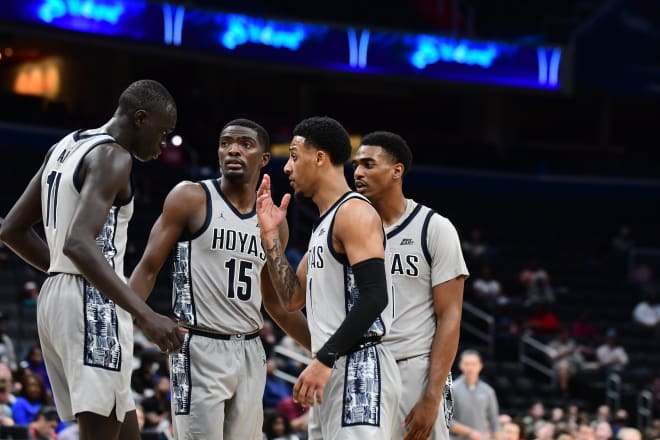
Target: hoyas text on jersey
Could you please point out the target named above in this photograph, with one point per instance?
(315, 257)
(405, 265)
(232, 240)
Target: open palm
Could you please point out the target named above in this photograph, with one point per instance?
(270, 215)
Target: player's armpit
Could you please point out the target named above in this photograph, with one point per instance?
(184, 211)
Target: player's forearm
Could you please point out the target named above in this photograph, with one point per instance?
(96, 270)
(28, 245)
(284, 278)
(443, 353)
(294, 324)
(142, 281)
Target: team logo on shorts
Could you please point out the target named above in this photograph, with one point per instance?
(362, 388)
(102, 347)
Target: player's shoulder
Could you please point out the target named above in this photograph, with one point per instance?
(357, 208)
(186, 193)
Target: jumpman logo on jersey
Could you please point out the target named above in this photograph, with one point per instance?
(406, 242)
(322, 231)
(222, 216)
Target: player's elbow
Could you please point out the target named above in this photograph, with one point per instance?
(8, 231)
(73, 248)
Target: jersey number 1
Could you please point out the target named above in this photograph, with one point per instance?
(53, 181)
(243, 288)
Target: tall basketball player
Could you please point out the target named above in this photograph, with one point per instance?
(342, 281)
(428, 273)
(218, 376)
(85, 311)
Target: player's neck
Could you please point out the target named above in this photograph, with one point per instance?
(331, 188)
(391, 208)
(241, 195)
(114, 129)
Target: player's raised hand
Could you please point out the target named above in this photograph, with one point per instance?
(311, 383)
(270, 215)
(420, 420)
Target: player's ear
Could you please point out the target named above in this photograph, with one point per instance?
(265, 158)
(398, 171)
(139, 117)
(321, 156)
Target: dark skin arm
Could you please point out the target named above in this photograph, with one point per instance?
(105, 175)
(17, 230)
(184, 210)
(448, 304)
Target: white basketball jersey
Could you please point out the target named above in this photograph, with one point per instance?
(415, 269)
(217, 272)
(331, 290)
(60, 196)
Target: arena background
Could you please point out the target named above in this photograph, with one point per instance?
(548, 175)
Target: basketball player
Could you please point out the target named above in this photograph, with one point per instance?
(83, 195)
(343, 283)
(219, 375)
(428, 273)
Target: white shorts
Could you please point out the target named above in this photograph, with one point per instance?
(414, 376)
(87, 345)
(361, 398)
(218, 387)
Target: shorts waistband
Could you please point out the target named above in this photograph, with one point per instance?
(408, 358)
(238, 336)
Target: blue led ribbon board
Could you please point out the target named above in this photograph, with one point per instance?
(266, 40)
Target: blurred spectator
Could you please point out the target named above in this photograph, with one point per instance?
(533, 420)
(474, 249)
(643, 277)
(602, 414)
(7, 352)
(647, 312)
(6, 401)
(583, 329)
(144, 377)
(35, 362)
(603, 431)
(544, 431)
(542, 321)
(29, 294)
(71, 432)
(33, 397)
(567, 359)
(157, 407)
(536, 283)
(628, 433)
(621, 420)
(277, 427)
(276, 389)
(44, 425)
(510, 431)
(487, 289)
(611, 356)
(475, 403)
(585, 432)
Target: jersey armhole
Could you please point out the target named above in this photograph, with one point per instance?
(425, 230)
(207, 221)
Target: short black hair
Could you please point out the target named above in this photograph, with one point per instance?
(146, 94)
(48, 412)
(262, 135)
(394, 144)
(325, 133)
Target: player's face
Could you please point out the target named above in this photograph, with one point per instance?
(151, 136)
(241, 157)
(374, 171)
(301, 167)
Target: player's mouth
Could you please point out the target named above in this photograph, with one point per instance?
(360, 185)
(234, 164)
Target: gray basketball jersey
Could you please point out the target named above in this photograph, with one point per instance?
(217, 272)
(60, 196)
(415, 269)
(331, 290)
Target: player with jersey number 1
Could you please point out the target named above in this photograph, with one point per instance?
(428, 274)
(353, 381)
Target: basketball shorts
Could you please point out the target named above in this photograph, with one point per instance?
(414, 376)
(361, 398)
(218, 387)
(87, 345)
